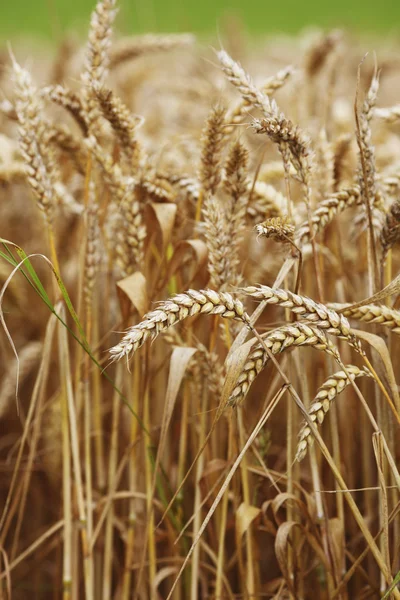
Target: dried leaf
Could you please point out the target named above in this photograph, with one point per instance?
(164, 217)
(281, 549)
(193, 251)
(132, 290)
(245, 515)
(379, 345)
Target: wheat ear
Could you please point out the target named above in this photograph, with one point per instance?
(372, 313)
(128, 49)
(390, 233)
(212, 140)
(322, 402)
(174, 311)
(307, 308)
(123, 122)
(326, 211)
(38, 159)
(390, 115)
(299, 334)
(243, 83)
(70, 101)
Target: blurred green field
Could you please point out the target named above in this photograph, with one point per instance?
(51, 18)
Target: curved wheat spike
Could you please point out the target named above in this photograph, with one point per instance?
(279, 229)
(319, 314)
(390, 233)
(130, 48)
(326, 211)
(322, 402)
(371, 313)
(298, 334)
(235, 73)
(390, 115)
(174, 311)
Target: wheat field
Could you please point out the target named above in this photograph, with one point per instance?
(200, 318)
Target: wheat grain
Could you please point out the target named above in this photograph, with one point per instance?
(70, 101)
(174, 311)
(99, 43)
(390, 115)
(38, 160)
(278, 228)
(326, 211)
(218, 243)
(390, 233)
(123, 123)
(242, 81)
(319, 314)
(322, 402)
(131, 48)
(212, 139)
(372, 313)
(288, 336)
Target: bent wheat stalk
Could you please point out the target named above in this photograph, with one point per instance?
(322, 402)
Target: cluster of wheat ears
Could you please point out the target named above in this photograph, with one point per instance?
(218, 460)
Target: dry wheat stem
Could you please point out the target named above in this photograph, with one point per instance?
(174, 311)
(296, 335)
(28, 358)
(322, 402)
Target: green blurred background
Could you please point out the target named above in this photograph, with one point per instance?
(51, 18)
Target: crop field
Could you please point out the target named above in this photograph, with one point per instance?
(200, 313)
(52, 18)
